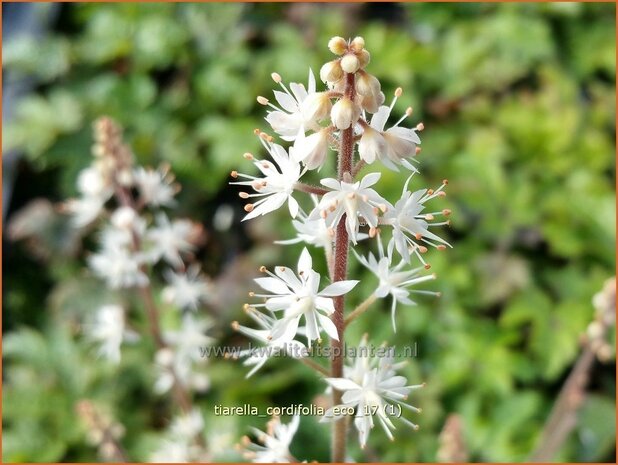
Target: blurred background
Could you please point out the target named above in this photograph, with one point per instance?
(518, 102)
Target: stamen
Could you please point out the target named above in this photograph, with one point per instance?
(234, 174)
(249, 207)
(276, 77)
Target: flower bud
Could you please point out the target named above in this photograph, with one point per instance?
(337, 45)
(364, 57)
(331, 71)
(316, 106)
(345, 113)
(350, 64)
(372, 102)
(367, 84)
(357, 44)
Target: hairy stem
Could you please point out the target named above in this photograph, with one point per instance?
(362, 308)
(344, 161)
(309, 189)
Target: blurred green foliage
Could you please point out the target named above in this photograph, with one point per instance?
(519, 105)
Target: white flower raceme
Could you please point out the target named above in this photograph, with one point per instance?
(155, 187)
(274, 444)
(277, 185)
(109, 331)
(395, 145)
(394, 280)
(411, 226)
(373, 390)
(168, 240)
(353, 199)
(294, 114)
(258, 356)
(298, 295)
(186, 290)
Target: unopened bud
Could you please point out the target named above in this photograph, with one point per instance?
(367, 85)
(331, 71)
(364, 57)
(345, 113)
(337, 45)
(357, 44)
(350, 63)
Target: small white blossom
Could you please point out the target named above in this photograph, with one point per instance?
(277, 185)
(274, 444)
(290, 118)
(353, 199)
(393, 146)
(84, 210)
(187, 425)
(297, 295)
(311, 150)
(376, 391)
(119, 267)
(155, 187)
(257, 357)
(411, 226)
(394, 280)
(186, 290)
(168, 241)
(109, 331)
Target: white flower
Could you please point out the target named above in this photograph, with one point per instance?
(312, 150)
(84, 210)
(297, 296)
(186, 290)
(311, 231)
(275, 442)
(354, 200)
(393, 146)
(155, 187)
(257, 357)
(119, 267)
(290, 118)
(169, 240)
(394, 280)
(176, 363)
(277, 185)
(92, 183)
(187, 425)
(376, 391)
(410, 226)
(109, 331)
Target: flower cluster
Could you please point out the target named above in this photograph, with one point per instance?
(132, 206)
(348, 116)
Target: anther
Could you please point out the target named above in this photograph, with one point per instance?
(418, 236)
(276, 77)
(249, 207)
(372, 232)
(257, 131)
(441, 194)
(409, 111)
(429, 217)
(251, 294)
(398, 93)
(445, 182)
(262, 100)
(429, 191)
(243, 195)
(234, 174)
(235, 325)
(427, 266)
(422, 249)
(262, 269)
(420, 126)
(446, 212)
(417, 150)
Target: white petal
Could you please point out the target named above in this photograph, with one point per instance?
(370, 180)
(293, 205)
(339, 288)
(304, 262)
(328, 326)
(274, 285)
(342, 384)
(331, 183)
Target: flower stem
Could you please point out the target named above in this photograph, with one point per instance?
(309, 189)
(344, 162)
(362, 308)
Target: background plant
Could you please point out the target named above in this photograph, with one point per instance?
(520, 102)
